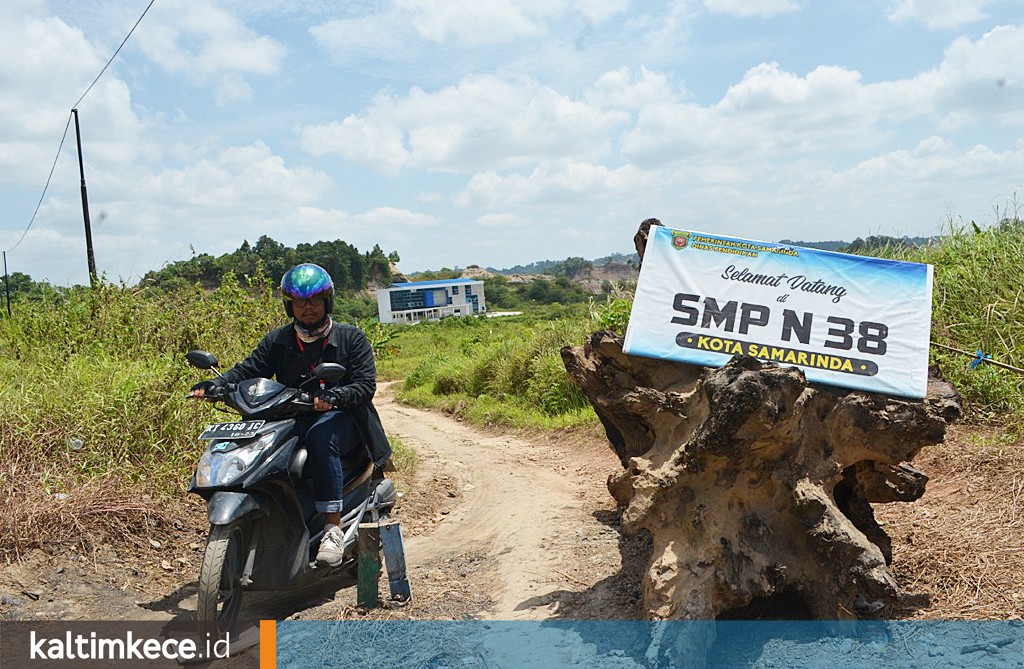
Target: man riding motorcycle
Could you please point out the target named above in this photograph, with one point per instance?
(348, 419)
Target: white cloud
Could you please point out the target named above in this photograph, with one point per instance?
(427, 197)
(779, 114)
(483, 122)
(555, 182)
(232, 190)
(984, 76)
(239, 181)
(142, 219)
(44, 51)
(49, 254)
(939, 14)
(769, 112)
(475, 22)
(389, 227)
(387, 216)
(45, 66)
(937, 161)
(625, 89)
(748, 8)
(563, 122)
(390, 30)
(385, 34)
(209, 45)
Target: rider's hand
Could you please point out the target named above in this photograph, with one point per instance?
(202, 389)
(326, 400)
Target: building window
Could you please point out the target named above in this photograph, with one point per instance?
(455, 290)
(403, 300)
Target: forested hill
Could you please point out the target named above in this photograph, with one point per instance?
(560, 266)
(870, 245)
(350, 269)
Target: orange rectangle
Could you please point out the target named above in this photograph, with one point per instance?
(268, 644)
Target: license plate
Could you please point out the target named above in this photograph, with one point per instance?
(239, 430)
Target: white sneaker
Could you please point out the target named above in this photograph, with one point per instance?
(332, 548)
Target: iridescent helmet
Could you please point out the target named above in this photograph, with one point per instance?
(305, 281)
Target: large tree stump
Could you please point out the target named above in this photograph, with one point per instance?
(753, 483)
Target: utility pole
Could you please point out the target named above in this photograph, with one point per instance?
(85, 206)
(7, 286)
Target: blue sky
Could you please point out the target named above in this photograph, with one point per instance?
(481, 132)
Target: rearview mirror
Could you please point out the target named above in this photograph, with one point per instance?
(330, 371)
(201, 359)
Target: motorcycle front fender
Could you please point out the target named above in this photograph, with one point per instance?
(224, 506)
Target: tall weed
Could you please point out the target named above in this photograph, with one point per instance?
(977, 306)
(104, 370)
(92, 404)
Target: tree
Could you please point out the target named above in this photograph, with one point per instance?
(377, 265)
(349, 268)
(436, 275)
(569, 267)
(276, 257)
(498, 293)
(875, 243)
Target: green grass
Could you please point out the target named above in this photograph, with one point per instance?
(492, 371)
(485, 410)
(978, 303)
(404, 459)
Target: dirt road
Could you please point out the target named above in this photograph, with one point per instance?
(521, 528)
(495, 527)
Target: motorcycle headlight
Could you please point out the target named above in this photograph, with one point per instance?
(222, 467)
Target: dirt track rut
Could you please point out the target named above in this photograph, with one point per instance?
(518, 521)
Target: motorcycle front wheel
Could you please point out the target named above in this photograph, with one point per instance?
(220, 577)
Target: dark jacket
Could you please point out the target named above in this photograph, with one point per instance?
(277, 356)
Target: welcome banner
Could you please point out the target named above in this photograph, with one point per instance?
(844, 320)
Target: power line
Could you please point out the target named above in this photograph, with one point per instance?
(52, 168)
(123, 42)
(68, 124)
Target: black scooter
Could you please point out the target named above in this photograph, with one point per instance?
(256, 480)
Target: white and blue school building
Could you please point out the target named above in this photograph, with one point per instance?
(430, 300)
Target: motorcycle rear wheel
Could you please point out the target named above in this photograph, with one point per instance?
(220, 577)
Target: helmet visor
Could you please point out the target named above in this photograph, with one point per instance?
(305, 281)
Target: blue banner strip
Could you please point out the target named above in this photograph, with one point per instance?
(649, 645)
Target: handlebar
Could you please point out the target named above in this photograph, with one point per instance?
(220, 392)
(215, 393)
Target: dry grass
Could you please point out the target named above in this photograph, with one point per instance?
(963, 542)
(84, 514)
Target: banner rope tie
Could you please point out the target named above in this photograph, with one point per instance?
(979, 357)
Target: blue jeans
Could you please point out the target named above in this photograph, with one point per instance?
(331, 436)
